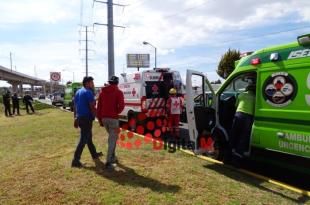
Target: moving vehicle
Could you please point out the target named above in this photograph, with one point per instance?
(282, 108)
(70, 91)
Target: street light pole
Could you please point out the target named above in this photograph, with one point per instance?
(11, 60)
(155, 57)
(147, 43)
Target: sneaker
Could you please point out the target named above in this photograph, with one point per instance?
(109, 166)
(99, 154)
(115, 161)
(76, 164)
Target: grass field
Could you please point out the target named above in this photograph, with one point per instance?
(36, 153)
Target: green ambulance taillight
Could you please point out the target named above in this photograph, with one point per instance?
(304, 40)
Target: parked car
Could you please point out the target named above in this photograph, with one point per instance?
(57, 98)
(42, 96)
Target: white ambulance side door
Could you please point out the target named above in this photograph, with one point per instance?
(204, 84)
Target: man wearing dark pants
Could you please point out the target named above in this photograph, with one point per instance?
(27, 100)
(7, 104)
(110, 105)
(84, 115)
(15, 101)
(243, 121)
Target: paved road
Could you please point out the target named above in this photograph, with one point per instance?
(46, 101)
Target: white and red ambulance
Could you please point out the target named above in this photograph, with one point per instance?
(145, 94)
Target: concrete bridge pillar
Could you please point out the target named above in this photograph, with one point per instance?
(44, 89)
(32, 90)
(21, 89)
(14, 87)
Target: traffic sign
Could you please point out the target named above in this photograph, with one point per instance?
(55, 76)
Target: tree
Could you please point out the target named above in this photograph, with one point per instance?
(227, 63)
(218, 81)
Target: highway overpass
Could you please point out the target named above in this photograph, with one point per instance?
(17, 80)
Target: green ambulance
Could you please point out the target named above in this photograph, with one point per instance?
(70, 91)
(281, 75)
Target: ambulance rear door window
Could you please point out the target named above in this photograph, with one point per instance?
(154, 89)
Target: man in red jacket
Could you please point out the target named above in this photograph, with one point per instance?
(110, 105)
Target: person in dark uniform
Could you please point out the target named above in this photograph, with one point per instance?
(27, 100)
(15, 101)
(7, 103)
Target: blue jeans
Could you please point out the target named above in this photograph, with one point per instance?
(241, 132)
(86, 136)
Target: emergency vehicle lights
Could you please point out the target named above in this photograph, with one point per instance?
(255, 61)
(304, 40)
(245, 54)
(274, 56)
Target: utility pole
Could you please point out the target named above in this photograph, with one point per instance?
(110, 25)
(86, 49)
(111, 66)
(11, 61)
(35, 71)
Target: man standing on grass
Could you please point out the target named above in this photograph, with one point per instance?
(84, 115)
(15, 101)
(7, 104)
(27, 100)
(110, 105)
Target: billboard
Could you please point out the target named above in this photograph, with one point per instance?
(138, 60)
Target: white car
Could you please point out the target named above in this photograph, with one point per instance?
(57, 98)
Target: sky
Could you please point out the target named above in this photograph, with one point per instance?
(48, 35)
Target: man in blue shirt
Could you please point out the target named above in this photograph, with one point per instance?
(84, 115)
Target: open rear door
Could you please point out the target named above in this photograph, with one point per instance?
(200, 104)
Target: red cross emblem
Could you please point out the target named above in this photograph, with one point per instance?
(279, 85)
(176, 104)
(133, 92)
(137, 76)
(155, 88)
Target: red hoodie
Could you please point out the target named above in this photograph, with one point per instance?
(110, 102)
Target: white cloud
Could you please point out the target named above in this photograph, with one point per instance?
(47, 11)
(168, 24)
(194, 26)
